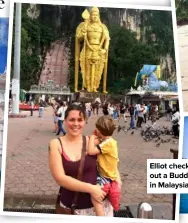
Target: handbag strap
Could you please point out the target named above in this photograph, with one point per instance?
(80, 171)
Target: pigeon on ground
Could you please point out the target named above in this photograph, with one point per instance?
(119, 128)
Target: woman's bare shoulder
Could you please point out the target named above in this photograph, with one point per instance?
(53, 142)
(57, 141)
(57, 144)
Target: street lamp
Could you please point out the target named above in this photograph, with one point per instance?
(17, 50)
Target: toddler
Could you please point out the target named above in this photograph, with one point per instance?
(104, 146)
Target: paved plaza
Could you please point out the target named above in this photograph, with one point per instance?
(27, 171)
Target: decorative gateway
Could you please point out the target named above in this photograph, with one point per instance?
(93, 57)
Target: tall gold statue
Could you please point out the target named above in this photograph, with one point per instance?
(93, 58)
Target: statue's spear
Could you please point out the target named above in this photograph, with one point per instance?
(77, 52)
(105, 73)
(85, 16)
(106, 46)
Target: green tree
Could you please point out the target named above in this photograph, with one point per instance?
(182, 11)
(36, 38)
(126, 57)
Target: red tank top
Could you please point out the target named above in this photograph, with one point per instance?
(89, 176)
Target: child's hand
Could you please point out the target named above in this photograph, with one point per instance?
(95, 132)
(95, 138)
(97, 141)
(92, 136)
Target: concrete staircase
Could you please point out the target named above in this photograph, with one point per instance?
(56, 65)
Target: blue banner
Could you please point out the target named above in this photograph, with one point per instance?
(3, 44)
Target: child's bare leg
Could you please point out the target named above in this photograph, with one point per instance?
(98, 207)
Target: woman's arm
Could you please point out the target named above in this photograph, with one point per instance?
(57, 170)
(119, 178)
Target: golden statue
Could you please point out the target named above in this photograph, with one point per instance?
(93, 58)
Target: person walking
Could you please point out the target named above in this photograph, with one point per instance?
(61, 116)
(137, 107)
(149, 111)
(175, 123)
(111, 110)
(88, 110)
(31, 107)
(105, 109)
(168, 113)
(55, 109)
(115, 112)
(154, 114)
(145, 112)
(132, 113)
(97, 107)
(140, 116)
(122, 112)
(41, 108)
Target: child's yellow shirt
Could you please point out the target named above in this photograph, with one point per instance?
(108, 158)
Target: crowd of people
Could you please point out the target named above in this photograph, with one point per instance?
(139, 113)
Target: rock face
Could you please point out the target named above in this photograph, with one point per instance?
(132, 20)
(167, 63)
(33, 11)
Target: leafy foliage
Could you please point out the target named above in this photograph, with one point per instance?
(157, 31)
(36, 38)
(127, 60)
(182, 11)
